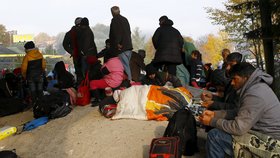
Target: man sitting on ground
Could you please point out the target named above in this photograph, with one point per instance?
(258, 111)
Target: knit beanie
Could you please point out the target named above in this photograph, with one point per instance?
(29, 45)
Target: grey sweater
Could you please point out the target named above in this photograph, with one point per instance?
(259, 109)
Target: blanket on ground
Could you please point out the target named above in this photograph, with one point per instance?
(151, 102)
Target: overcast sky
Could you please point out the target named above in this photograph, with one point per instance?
(55, 16)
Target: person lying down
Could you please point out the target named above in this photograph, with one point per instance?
(151, 102)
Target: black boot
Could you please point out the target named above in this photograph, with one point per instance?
(95, 97)
(106, 101)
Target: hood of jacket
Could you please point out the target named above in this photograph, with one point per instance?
(34, 53)
(256, 77)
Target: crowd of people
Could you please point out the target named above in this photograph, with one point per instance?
(240, 99)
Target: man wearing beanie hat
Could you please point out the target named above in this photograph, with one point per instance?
(32, 69)
(86, 40)
(70, 44)
(87, 45)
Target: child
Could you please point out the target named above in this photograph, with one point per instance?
(32, 69)
(113, 72)
(196, 69)
(153, 77)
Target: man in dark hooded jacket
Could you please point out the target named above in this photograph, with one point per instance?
(70, 44)
(87, 46)
(168, 43)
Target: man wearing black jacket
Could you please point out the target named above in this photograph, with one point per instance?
(70, 44)
(168, 43)
(120, 38)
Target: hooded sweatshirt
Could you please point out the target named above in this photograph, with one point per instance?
(259, 109)
(33, 64)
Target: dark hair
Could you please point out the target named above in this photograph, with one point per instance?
(150, 69)
(142, 53)
(235, 56)
(59, 67)
(242, 69)
(197, 54)
(218, 77)
(29, 45)
(107, 41)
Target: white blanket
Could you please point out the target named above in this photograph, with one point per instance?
(132, 103)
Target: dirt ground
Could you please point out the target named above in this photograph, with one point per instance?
(84, 133)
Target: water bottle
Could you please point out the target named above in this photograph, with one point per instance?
(7, 131)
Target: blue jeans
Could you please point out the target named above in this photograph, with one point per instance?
(219, 144)
(125, 58)
(36, 88)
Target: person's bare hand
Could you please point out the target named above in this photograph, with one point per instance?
(209, 113)
(207, 104)
(206, 117)
(206, 96)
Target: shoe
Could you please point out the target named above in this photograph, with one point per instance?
(95, 102)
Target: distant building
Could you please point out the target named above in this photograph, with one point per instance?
(23, 38)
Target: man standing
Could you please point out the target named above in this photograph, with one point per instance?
(87, 45)
(168, 43)
(32, 69)
(222, 64)
(70, 44)
(120, 38)
(258, 111)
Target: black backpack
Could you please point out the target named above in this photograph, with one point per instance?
(8, 154)
(183, 125)
(9, 106)
(60, 110)
(53, 106)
